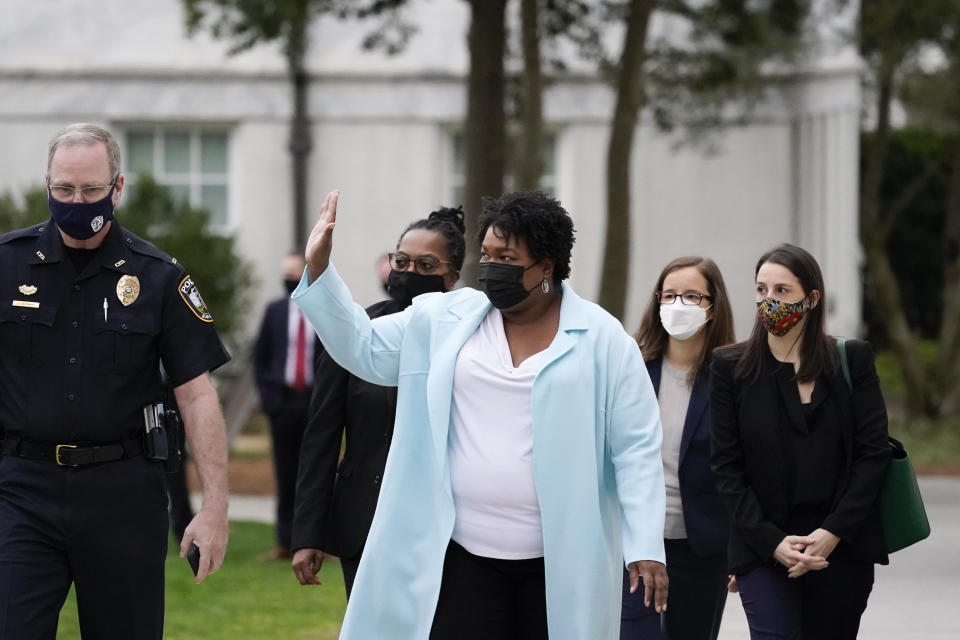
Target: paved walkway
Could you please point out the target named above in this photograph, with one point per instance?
(915, 597)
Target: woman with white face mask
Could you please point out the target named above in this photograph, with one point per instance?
(687, 318)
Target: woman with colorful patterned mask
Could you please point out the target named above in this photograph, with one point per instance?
(799, 457)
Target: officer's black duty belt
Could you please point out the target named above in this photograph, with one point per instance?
(69, 455)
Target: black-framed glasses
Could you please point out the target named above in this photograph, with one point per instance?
(424, 265)
(64, 193)
(689, 298)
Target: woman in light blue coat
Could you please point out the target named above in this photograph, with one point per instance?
(525, 468)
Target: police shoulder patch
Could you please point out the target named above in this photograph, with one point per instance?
(190, 295)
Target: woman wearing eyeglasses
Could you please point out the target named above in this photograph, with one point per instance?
(335, 502)
(525, 468)
(688, 316)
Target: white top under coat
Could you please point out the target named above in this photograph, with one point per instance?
(491, 448)
(674, 398)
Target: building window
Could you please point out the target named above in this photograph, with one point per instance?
(191, 161)
(458, 177)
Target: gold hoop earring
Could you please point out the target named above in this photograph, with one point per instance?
(545, 286)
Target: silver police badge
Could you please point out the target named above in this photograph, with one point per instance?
(96, 224)
(128, 290)
(190, 295)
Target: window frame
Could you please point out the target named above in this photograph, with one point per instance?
(195, 178)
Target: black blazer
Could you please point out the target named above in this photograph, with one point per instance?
(334, 503)
(270, 358)
(751, 465)
(704, 513)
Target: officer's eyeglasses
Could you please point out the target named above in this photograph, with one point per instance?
(424, 265)
(64, 193)
(690, 298)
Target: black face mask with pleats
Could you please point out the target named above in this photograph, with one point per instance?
(503, 283)
(404, 286)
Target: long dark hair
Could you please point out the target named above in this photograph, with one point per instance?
(653, 338)
(818, 351)
(448, 222)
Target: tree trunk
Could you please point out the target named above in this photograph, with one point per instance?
(301, 142)
(616, 257)
(948, 366)
(877, 261)
(529, 166)
(485, 128)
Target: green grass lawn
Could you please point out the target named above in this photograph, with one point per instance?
(247, 599)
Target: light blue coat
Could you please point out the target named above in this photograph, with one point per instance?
(596, 458)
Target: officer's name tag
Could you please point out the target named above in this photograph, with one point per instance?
(26, 303)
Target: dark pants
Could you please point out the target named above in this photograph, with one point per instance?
(181, 513)
(819, 605)
(102, 527)
(349, 567)
(490, 599)
(286, 431)
(696, 597)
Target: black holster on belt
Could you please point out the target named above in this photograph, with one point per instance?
(155, 445)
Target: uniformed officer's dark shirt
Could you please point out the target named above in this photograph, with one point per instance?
(67, 375)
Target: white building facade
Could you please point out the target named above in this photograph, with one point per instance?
(386, 132)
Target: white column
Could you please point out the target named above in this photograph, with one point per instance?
(826, 150)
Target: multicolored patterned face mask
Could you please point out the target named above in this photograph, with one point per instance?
(779, 317)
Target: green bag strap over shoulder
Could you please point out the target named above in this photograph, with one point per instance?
(844, 364)
(902, 512)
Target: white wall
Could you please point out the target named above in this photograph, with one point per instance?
(729, 206)
(381, 135)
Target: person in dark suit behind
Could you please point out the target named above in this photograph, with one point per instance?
(335, 503)
(799, 458)
(283, 369)
(687, 317)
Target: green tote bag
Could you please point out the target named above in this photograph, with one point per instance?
(902, 513)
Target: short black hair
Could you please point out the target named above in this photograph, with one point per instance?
(448, 222)
(537, 219)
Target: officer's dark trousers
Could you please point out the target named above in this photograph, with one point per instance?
(696, 598)
(286, 431)
(181, 513)
(819, 605)
(102, 527)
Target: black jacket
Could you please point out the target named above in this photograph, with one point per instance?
(270, 360)
(335, 503)
(752, 467)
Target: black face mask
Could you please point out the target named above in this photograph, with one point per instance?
(503, 283)
(404, 286)
(290, 285)
(82, 220)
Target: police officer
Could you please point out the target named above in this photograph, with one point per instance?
(87, 312)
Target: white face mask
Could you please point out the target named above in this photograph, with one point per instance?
(682, 321)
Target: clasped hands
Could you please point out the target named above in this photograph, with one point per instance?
(805, 553)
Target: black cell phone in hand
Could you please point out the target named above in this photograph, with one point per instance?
(193, 557)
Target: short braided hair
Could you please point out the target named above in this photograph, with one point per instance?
(448, 222)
